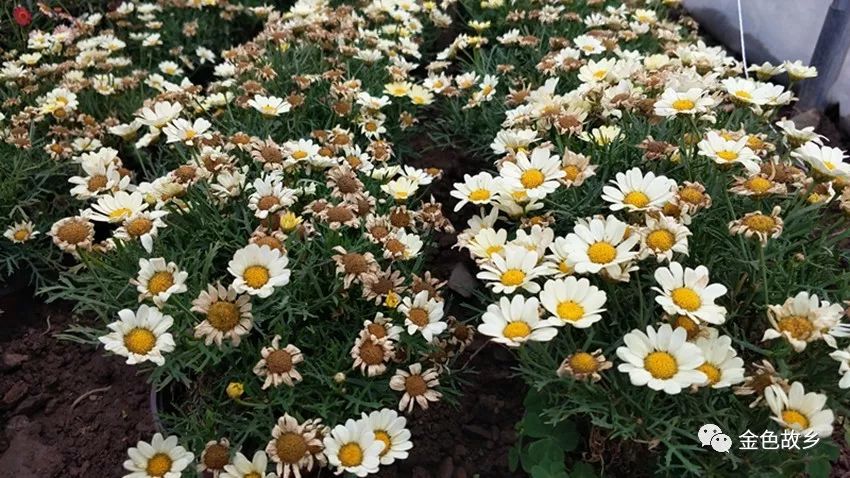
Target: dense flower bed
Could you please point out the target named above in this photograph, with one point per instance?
(658, 246)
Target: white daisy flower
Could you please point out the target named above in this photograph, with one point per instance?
(244, 468)
(352, 448)
(227, 314)
(423, 314)
(140, 336)
(537, 175)
(662, 236)
(515, 321)
(727, 151)
(686, 291)
(487, 243)
(800, 411)
(537, 240)
(118, 207)
(258, 270)
(557, 263)
(803, 319)
(479, 189)
(573, 301)
(20, 232)
(689, 102)
(160, 115)
(843, 357)
(636, 191)
(161, 458)
(516, 269)
(600, 245)
(401, 189)
(662, 360)
(99, 178)
(722, 365)
(158, 280)
(269, 196)
(824, 159)
(143, 226)
(269, 106)
(182, 130)
(389, 429)
(798, 71)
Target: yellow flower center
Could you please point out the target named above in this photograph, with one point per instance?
(518, 329)
(140, 341)
(571, 172)
(797, 327)
(583, 362)
(494, 250)
(691, 195)
(710, 371)
(159, 465)
(760, 222)
(383, 437)
(256, 276)
(351, 455)
(660, 240)
(759, 184)
(160, 282)
(727, 155)
(223, 315)
(120, 214)
(532, 178)
(139, 227)
(269, 110)
(253, 474)
(297, 155)
(599, 74)
(744, 94)
(21, 235)
(512, 277)
(564, 267)
(601, 252)
(661, 365)
(290, 447)
(687, 323)
(637, 199)
(683, 105)
(479, 194)
(686, 298)
(570, 310)
(793, 417)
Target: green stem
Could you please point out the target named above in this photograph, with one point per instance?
(763, 264)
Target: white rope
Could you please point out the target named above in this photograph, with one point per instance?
(743, 44)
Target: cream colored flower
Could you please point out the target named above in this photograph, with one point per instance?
(159, 280)
(227, 314)
(278, 364)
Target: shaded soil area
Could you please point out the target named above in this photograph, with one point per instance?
(66, 410)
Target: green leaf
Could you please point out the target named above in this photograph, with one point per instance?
(583, 470)
(818, 468)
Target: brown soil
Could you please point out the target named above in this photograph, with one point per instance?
(46, 431)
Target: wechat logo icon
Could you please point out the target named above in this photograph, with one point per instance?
(711, 435)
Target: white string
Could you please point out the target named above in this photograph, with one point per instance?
(743, 44)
